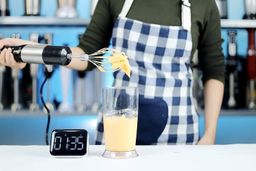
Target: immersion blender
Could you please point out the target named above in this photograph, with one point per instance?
(15, 76)
(41, 54)
(4, 8)
(32, 7)
(222, 7)
(251, 68)
(231, 67)
(66, 9)
(34, 37)
(250, 9)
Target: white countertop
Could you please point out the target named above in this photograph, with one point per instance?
(156, 158)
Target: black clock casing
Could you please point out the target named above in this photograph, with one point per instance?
(69, 142)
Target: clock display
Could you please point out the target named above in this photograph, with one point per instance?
(69, 142)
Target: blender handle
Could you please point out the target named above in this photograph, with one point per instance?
(41, 54)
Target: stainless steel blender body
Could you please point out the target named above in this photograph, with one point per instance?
(4, 8)
(222, 6)
(32, 7)
(70, 3)
(250, 9)
(15, 76)
(66, 9)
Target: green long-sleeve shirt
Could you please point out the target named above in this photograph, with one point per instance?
(205, 29)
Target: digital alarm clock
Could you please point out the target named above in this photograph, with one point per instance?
(69, 142)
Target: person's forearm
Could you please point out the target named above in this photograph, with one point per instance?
(76, 63)
(213, 94)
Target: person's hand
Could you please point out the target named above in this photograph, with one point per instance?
(6, 56)
(207, 139)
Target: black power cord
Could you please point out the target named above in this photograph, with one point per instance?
(46, 108)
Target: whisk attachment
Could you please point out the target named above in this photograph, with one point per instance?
(108, 60)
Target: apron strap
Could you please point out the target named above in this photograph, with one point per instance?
(126, 7)
(186, 15)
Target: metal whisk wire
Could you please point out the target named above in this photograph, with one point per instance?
(101, 60)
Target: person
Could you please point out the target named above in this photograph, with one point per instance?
(159, 38)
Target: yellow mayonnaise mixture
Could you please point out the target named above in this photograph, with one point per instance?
(120, 133)
(119, 60)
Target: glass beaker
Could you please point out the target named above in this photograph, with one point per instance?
(120, 118)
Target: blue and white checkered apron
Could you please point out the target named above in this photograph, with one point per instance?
(160, 62)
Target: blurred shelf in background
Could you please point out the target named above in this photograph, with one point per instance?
(227, 23)
(43, 21)
(55, 21)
